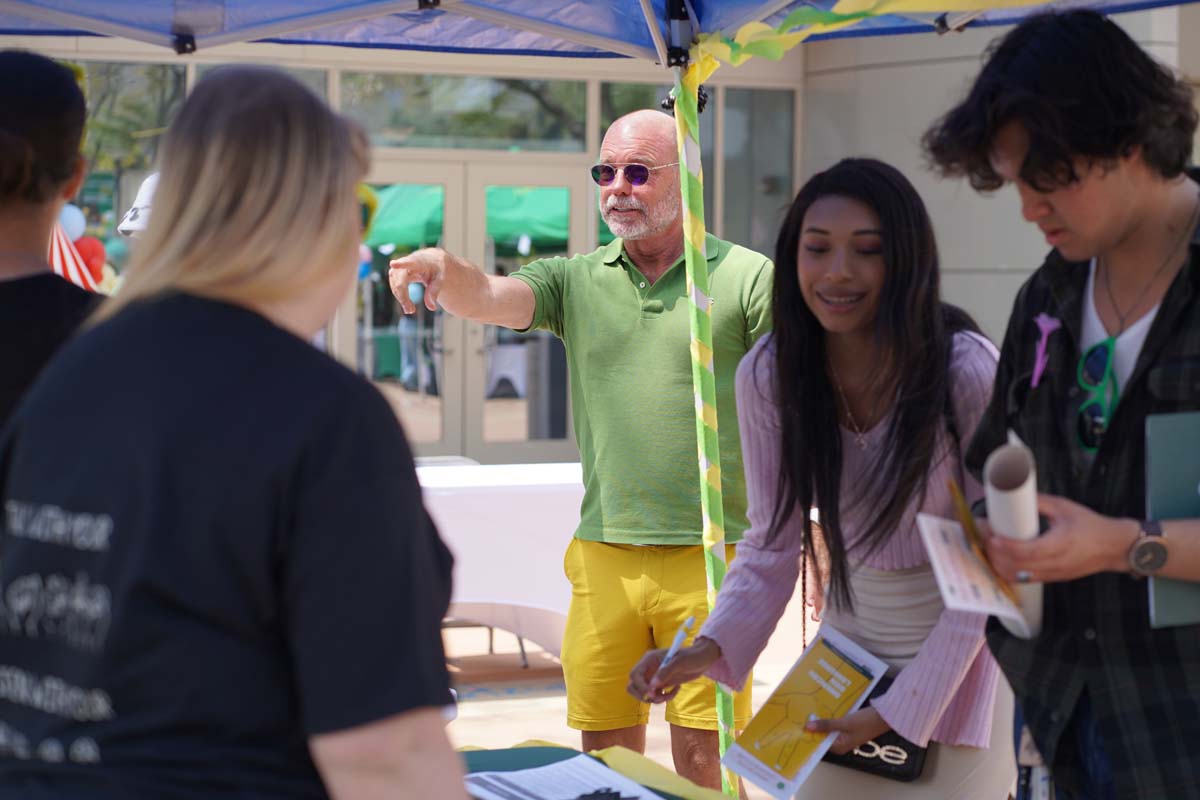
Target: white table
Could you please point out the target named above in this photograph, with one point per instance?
(508, 526)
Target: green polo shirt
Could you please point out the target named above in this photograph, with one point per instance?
(628, 351)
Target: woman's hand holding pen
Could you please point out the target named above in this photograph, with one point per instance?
(652, 681)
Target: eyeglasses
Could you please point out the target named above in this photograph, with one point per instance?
(368, 204)
(1096, 375)
(636, 174)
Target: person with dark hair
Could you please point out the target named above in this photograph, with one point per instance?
(1095, 136)
(41, 130)
(860, 404)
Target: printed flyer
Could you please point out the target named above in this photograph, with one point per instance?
(831, 679)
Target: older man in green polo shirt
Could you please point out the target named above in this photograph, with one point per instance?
(636, 562)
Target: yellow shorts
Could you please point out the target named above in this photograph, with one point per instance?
(625, 600)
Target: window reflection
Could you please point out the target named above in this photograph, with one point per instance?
(315, 79)
(759, 137)
(525, 384)
(452, 111)
(402, 352)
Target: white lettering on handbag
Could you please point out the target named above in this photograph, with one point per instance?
(888, 753)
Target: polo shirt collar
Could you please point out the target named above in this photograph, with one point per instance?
(614, 250)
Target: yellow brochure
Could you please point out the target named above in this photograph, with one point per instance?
(830, 679)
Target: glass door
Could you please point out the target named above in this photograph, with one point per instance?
(414, 360)
(517, 393)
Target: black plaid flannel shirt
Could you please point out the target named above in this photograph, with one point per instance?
(1144, 684)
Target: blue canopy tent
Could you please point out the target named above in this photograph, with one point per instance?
(570, 28)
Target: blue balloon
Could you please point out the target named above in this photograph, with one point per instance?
(416, 292)
(73, 221)
(364, 270)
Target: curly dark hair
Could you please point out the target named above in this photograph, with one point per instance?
(41, 126)
(1081, 88)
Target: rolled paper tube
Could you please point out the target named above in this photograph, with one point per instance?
(1010, 491)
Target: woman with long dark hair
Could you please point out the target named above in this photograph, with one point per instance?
(860, 404)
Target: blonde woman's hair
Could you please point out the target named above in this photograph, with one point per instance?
(256, 194)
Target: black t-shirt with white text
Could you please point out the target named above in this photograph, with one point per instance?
(221, 553)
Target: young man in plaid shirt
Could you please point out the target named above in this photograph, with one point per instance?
(1095, 135)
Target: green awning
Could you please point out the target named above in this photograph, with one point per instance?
(410, 216)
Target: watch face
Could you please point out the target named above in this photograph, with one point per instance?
(1148, 556)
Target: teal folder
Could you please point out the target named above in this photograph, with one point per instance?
(1173, 492)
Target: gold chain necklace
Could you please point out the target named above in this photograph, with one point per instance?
(860, 435)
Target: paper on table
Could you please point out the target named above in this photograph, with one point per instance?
(564, 780)
(830, 679)
(1010, 490)
(965, 582)
(653, 775)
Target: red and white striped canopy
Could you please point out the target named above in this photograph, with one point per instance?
(66, 261)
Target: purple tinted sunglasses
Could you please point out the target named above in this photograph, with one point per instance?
(636, 174)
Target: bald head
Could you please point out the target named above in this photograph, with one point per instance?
(647, 133)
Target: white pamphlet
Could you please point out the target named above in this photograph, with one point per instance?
(965, 582)
(563, 780)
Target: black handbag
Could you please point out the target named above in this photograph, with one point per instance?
(889, 756)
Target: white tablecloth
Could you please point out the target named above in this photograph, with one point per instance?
(508, 527)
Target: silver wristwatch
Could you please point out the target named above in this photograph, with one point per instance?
(1148, 553)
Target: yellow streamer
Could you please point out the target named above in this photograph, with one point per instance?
(877, 8)
(714, 476)
(760, 39)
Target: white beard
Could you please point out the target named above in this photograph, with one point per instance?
(650, 222)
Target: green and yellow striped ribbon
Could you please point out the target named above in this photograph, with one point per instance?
(764, 41)
(691, 186)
